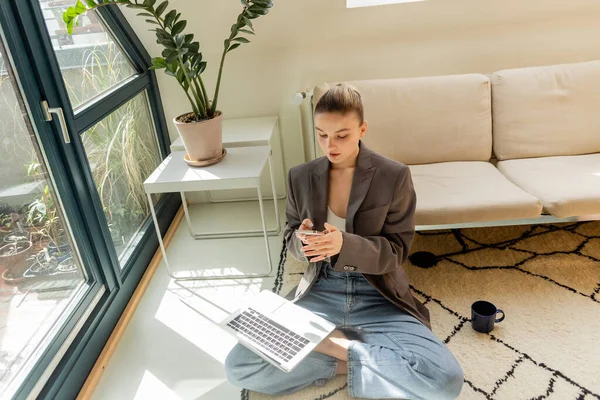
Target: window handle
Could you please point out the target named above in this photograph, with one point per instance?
(48, 111)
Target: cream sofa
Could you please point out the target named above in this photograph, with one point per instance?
(513, 147)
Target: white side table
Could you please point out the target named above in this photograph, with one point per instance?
(240, 169)
(245, 132)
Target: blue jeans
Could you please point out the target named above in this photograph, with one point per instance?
(393, 356)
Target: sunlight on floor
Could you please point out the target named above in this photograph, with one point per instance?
(152, 387)
(194, 310)
(173, 347)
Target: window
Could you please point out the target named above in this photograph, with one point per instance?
(90, 60)
(368, 3)
(75, 229)
(123, 151)
(37, 251)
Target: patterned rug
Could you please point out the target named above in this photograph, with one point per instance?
(546, 278)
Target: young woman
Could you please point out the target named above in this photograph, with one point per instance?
(364, 203)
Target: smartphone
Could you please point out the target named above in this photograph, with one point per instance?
(309, 232)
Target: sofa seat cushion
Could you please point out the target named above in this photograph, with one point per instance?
(567, 185)
(471, 191)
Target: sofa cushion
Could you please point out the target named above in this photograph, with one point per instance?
(546, 111)
(460, 192)
(567, 186)
(426, 120)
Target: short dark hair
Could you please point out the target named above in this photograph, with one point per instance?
(343, 99)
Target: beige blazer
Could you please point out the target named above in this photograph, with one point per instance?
(380, 224)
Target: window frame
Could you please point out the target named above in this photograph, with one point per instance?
(40, 79)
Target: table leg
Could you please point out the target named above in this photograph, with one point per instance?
(160, 241)
(264, 225)
(203, 278)
(270, 161)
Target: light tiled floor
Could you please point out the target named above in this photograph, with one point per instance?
(173, 348)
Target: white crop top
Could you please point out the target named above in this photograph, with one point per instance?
(336, 221)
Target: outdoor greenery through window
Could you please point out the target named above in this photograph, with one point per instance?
(122, 151)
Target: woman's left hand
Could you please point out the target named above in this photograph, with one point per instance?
(321, 247)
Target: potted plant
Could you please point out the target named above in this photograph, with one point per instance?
(11, 222)
(6, 222)
(201, 129)
(43, 215)
(12, 257)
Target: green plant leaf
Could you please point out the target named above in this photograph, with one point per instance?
(172, 67)
(180, 76)
(256, 9)
(68, 15)
(178, 27)
(91, 3)
(158, 63)
(170, 17)
(169, 44)
(179, 41)
(145, 14)
(149, 3)
(248, 22)
(161, 8)
(165, 39)
(170, 55)
(233, 47)
(194, 47)
(263, 3)
(151, 21)
(189, 37)
(247, 31)
(195, 59)
(80, 7)
(69, 24)
(241, 40)
(162, 34)
(202, 67)
(176, 18)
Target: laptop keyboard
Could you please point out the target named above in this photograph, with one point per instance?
(257, 328)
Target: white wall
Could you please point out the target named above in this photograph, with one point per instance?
(303, 42)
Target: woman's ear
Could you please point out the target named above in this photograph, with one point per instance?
(363, 129)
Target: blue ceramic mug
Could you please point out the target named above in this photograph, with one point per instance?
(483, 316)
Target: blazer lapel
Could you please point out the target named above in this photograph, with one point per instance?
(361, 181)
(319, 186)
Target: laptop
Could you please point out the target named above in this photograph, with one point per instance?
(277, 330)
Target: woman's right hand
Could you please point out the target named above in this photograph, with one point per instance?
(306, 225)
